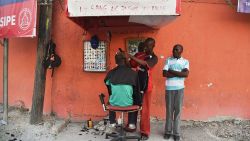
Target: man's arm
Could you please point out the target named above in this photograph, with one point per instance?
(183, 73)
(107, 83)
(137, 96)
(167, 74)
(1, 42)
(139, 61)
(109, 89)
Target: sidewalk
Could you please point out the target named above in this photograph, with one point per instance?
(19, 128)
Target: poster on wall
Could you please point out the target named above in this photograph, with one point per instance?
(80, 8)
(132, 45)
(18, 18)
(94, 60)
(244, 6)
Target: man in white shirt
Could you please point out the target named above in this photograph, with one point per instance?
(176, 69)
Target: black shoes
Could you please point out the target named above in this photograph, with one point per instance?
(144, 136)
(167, 136)
(177, 138)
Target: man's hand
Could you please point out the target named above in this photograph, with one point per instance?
(171, 71)
(182, 73)
(167, 74)
(52, 58)
(139, 61)
(184, 70)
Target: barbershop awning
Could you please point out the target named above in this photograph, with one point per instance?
(152, 13)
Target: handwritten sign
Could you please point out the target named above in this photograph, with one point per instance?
(79, 8)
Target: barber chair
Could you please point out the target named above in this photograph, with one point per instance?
(121, 136)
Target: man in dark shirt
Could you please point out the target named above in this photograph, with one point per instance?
(149, 63)
(122, 84)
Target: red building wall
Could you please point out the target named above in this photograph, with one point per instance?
(216, 41)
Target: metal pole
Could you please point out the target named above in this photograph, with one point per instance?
(5, 79)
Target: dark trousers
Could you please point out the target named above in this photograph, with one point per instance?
(174, 100)
(132, 117)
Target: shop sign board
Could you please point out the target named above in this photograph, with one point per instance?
(18, 18)
(84, 8)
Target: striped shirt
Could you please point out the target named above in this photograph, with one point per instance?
(175, 83)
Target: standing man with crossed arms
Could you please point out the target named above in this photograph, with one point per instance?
(175, 70)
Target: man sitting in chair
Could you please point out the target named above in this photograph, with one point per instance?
(122, 84)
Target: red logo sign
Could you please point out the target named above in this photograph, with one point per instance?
(25, 19)
(18, 18)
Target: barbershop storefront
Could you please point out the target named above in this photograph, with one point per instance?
(213, 35)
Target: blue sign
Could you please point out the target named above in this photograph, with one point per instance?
(6, 2)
